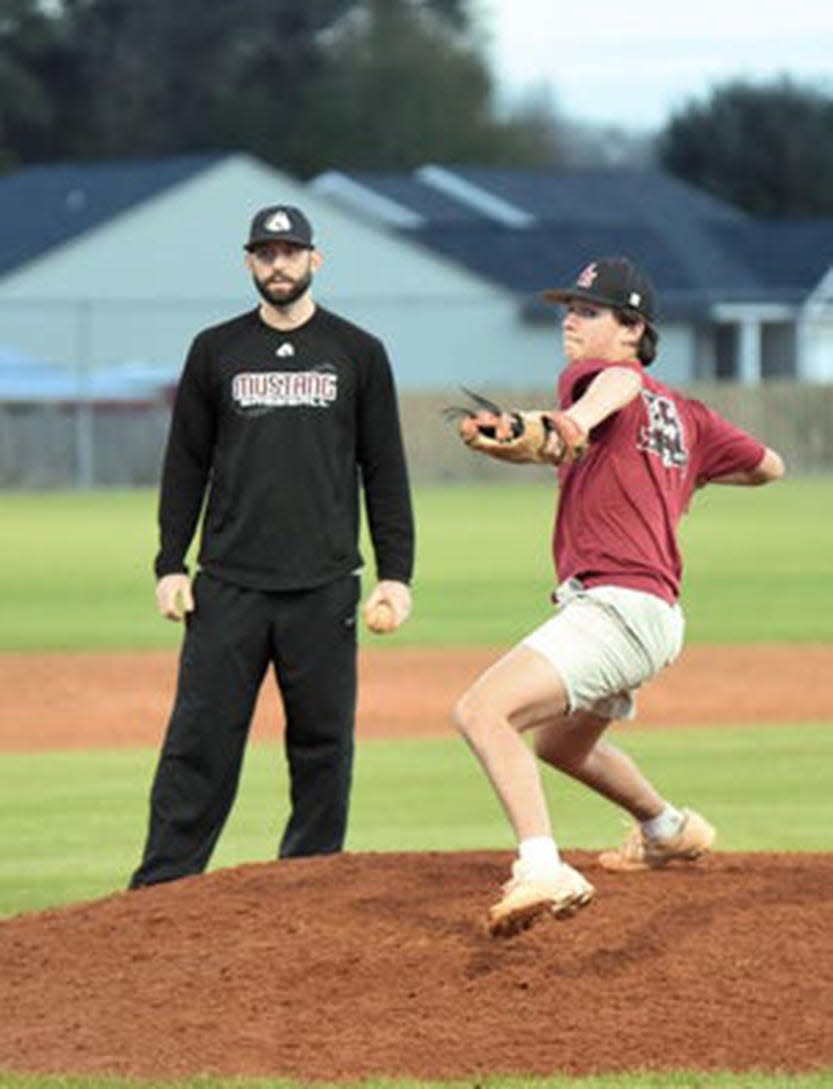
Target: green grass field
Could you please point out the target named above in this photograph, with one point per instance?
(77, 577)
(759, 567)
(71, 824)
(627, 1081)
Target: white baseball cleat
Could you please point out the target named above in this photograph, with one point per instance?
(530, 895)
(638, 853)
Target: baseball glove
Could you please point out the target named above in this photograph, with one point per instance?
(520, 436)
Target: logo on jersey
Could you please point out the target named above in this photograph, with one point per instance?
(285, 350)
(259, 391)
(663, 435)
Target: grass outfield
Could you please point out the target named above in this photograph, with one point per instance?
(72, 823)
(626, 1081)
(759, 567)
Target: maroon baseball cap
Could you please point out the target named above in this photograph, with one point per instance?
(610, 281)
(280, 223)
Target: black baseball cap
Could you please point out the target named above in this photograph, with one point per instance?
(280, 223)
(610, 281)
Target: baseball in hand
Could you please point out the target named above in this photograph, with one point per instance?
(380, 617)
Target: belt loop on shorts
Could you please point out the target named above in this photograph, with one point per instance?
(566, 590)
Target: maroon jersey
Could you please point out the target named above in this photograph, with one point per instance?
(621, 504)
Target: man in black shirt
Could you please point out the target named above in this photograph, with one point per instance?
(282, 416)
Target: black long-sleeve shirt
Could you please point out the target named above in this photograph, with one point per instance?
(282, 428)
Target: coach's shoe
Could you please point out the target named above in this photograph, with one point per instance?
(529, 895)
(638, 852)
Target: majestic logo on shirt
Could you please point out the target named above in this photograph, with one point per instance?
(663, 435)
(285, 350)
(263, 390)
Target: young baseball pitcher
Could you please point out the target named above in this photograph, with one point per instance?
(629, 453)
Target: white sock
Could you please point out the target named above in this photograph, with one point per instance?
(539, 853)
(665, 826)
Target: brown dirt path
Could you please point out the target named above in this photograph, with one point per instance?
(52, 701)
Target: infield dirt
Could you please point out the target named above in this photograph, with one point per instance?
(59, 701)
(362, 965)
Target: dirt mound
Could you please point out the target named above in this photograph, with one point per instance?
(360, 965)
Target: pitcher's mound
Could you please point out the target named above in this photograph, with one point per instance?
(361, 965)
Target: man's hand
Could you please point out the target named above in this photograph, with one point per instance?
(388, 606)
(174, 597)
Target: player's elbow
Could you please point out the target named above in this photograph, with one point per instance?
(770, 468)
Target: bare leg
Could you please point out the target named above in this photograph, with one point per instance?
(520, 692)
(517, 693)
(573, 744)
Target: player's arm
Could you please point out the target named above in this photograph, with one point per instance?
(768, 469)
(185, 473)
(387, 494)
(550, 436)
(608, 392)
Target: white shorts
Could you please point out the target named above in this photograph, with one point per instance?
(605, 641)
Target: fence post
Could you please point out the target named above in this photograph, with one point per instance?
(84, 422)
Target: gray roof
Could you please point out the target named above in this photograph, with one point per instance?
(522, 229)
(549, 255)
(603, 194)
(407, 189)
(787, 256)
(696, 248)
(44, 206)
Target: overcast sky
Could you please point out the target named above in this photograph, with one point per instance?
(632, 65)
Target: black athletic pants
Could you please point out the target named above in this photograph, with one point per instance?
(232, 636)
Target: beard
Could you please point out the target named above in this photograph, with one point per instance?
(286, 296)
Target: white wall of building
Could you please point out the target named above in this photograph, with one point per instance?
(142, 285)
(815, 334)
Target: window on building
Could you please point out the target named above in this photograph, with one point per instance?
(778, 350)
(726, 352)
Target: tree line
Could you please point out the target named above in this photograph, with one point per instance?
(311, 85)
